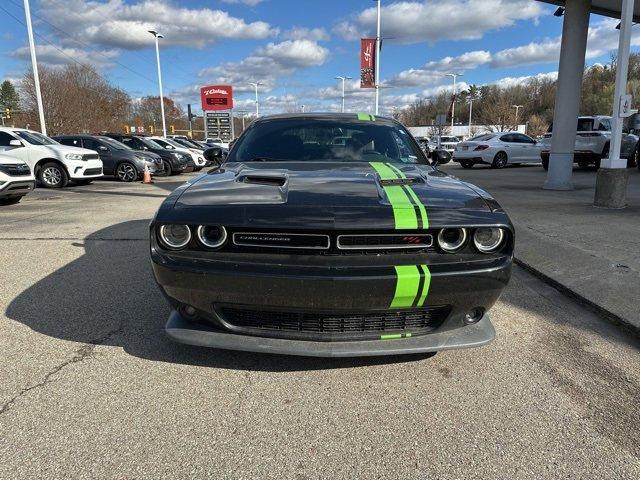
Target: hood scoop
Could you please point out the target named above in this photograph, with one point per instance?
(401, 181)
(263, 179)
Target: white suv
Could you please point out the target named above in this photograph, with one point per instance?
(16, 180)
(52, 164)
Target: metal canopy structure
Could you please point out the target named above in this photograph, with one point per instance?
(608, 8)
(611, 181)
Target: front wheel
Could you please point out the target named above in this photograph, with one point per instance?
(52, 175)
(545, 163)
(168, 171)
(634, 160)
(466, 163)
(126, 172)
(500, 160)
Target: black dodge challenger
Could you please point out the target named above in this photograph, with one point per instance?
(330, 235)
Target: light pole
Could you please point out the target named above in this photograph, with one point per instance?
(343, 80)
(470, 112)
(34, 65)
(517, 107)
(158, 36)
(256, 85)
(453, 102)
(243, 113)
(378, 61)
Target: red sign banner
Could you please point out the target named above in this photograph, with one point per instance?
(217, 97)
(368, 63)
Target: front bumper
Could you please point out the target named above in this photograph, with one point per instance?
(84, 169)
(16, 188)
(324, 284)
(183, 331)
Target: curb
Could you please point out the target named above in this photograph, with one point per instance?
(594, 307)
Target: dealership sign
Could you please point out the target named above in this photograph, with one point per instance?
(217, 97)
(368, 63)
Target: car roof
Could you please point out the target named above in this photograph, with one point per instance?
(12, 129)
(328, 116)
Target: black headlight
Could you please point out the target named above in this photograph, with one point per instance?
(452, 239)
(174, 237)
(211, 236)
(488, 239)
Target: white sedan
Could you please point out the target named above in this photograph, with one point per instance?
(497, 150)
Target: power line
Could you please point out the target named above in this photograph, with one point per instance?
(84, 45)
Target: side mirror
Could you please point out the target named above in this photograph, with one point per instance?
(15, 143)
(440, 157)
(213, 154)
(102, 148)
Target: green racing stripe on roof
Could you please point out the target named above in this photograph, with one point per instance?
(366, 117)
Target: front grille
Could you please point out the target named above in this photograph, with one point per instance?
(92, 171)
(384, 241)
(15, 170)
(282, 240)
(333, 326)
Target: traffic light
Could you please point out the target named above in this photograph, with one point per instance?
(172, 129)
(7, 113)
(127, 130)
(152, 129)
(190, 115)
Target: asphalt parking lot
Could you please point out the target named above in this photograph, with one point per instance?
(92, 388)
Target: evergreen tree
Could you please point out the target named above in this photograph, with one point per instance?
(9, 97)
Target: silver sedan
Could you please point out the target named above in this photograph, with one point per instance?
(498, 150)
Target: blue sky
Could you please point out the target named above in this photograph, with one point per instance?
(296, 47)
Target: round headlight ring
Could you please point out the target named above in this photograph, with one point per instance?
(452, 246)
(497, 239)
(166, 232)
(207, 242)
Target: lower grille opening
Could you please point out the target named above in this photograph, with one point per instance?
(321, 326)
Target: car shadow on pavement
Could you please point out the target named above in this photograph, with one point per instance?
(108, 297)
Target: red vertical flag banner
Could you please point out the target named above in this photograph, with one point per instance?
(368, 63)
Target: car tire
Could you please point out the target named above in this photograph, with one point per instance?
(545, 163)
(634, 160)
(168, 171)
(52, 175)
(466, 164)
(583, 164)
(126, 172)
(605, 154)
(500, 160)
(10, 200)
(197, 169)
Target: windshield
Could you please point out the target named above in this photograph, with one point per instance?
(326, 140)
(188, 143)
(35, 138)
(150, 143)
(114, 143)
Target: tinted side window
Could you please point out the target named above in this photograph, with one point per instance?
(132, 142)
(605, 125)
(91, 144)
(520, 138)
(5, 138)
(507, 138)
(72, 142)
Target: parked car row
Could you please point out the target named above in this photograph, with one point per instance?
(29, 158)
(591, 146)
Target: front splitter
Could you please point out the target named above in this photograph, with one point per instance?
(184, 331)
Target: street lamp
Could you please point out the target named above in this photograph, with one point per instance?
(343, 80)
(243, 113)
(34, 65)
(517, 107)
(256, 85)
(453, 103)
(157, 36)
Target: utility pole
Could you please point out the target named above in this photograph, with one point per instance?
(343, 78)
(470, 113)
(256, 85)
(34, 65)
(453, 101)
(517, 107)
(378, 61)
(157, 37)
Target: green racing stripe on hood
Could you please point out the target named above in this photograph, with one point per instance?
(404, 212)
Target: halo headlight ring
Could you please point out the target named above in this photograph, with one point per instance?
(209, 243)
(168, 238)
(452, 245)
(494, 243)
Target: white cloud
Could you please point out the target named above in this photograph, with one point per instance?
(58, 55)
(303, 33)
(433, 20)
(115, 23)
(268, 63)
(508, 82)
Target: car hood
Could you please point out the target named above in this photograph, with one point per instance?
(327, 195)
